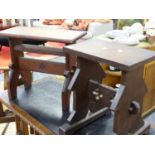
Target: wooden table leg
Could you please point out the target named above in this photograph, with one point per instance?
(15, 71)
(128, 111)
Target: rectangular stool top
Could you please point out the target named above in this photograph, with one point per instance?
(122, 56)
(42, 33)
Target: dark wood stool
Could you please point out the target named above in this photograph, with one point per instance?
(23, 66)
(90, 96)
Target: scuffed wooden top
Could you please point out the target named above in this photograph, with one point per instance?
(118, 55)
(42, 33)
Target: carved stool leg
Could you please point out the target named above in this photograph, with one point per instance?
(126, 119)
(15, 71)
(85, 71)
(81, 99)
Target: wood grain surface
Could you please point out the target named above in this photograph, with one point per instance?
(41, 33)
(118, 55)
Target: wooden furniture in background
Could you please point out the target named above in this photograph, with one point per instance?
(23, 66)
